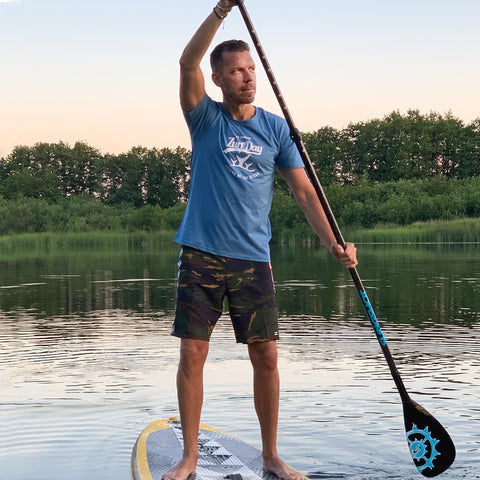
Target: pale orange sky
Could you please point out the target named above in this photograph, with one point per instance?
(106, 73)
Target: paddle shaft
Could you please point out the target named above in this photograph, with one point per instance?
(295, 134)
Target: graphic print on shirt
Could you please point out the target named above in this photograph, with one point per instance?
(239, 152)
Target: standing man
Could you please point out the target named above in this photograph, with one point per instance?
(225, 232)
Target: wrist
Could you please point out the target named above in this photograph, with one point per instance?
(220, 11)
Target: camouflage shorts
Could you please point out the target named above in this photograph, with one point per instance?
(205, 280)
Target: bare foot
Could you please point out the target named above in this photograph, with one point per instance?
(183, 470)
(279, 468)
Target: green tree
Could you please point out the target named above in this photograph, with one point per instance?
(167, 176)
(326, 154)
(386, 149)
(446, 138)
(23, 183)
(468, 155)
(123, 178)
(76, 168)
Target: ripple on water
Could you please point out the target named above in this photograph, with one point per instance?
(77, 390)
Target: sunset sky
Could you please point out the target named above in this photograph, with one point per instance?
(105, 72)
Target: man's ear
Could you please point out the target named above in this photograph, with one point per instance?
(216, 79)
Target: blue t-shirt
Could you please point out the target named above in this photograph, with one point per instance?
(233, 164)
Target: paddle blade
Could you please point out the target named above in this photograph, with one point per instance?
(431, 447)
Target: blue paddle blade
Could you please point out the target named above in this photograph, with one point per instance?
(431, 447)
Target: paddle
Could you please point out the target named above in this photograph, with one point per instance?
(430, 445)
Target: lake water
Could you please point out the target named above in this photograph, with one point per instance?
(87, 362)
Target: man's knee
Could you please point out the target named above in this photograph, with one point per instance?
(193, 354)
(263, 355)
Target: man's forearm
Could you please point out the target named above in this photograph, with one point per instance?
(199, 43)
(315, 215)
(203, 37)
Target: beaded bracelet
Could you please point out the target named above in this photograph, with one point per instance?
(221, 8)
(218, 15)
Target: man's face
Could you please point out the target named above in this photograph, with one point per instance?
(237, 78)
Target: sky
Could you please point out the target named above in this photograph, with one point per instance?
(105, 72)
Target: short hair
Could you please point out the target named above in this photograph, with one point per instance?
(216, 57)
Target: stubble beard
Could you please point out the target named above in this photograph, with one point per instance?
(246, 97)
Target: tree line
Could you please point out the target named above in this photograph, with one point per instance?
(398, 147)
(139, 177)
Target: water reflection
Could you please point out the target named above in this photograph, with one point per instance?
(405, 285)
(413, 286)
(87, 361)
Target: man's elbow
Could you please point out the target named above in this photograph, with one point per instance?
(188, 63)
(185, 65)
(303, 200)
(306, 197)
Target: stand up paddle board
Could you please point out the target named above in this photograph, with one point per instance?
(222, 457)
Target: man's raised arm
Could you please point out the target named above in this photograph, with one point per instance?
(192, 82)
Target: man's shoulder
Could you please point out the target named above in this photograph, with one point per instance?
(272, 118)
(205, 103)
(205, 111)
(270, 115)
(269, 120)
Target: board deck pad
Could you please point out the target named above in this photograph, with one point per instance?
(222, 457)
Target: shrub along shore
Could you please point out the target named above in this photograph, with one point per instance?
(361, 206)
(414, 211)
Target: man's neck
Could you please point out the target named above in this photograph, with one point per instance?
(242, 111)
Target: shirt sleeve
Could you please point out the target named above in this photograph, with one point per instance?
(197, 118)
(288, 156)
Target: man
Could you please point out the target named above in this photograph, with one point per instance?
(225, 232)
